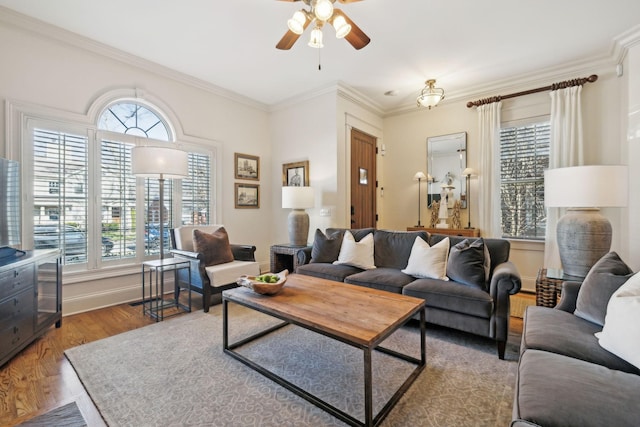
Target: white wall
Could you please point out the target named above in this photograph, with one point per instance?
(41, 68)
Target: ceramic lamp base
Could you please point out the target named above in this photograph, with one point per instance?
(298, 226)
(584, 236)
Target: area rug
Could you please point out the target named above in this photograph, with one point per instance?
(68, 415)
(175, 373)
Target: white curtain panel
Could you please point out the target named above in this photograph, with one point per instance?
(489, 176)
(566, 150)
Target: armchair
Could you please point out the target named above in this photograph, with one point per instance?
(211, 280)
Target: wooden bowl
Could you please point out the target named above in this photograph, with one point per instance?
(262, 287)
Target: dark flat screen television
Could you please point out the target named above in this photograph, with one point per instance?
(10, 197)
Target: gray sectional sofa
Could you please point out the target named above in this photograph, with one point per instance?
(479, 308)
(565, 378)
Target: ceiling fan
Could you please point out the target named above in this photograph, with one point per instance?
(321, 12)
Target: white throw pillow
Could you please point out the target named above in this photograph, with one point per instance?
(428, 261)
(621, 332)
(358, 254)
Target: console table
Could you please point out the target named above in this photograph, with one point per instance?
(464, 232)
(30, 298)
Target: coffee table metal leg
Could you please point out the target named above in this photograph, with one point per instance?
(368, 388)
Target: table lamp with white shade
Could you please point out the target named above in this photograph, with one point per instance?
(298, 199)
(162, 163)
(583, 233)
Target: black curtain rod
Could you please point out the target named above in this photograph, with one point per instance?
(555, 86)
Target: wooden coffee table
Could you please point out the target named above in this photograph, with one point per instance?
(355, 315)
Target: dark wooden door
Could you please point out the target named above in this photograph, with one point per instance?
(363, 180)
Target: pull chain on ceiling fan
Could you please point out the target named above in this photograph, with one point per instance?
(320, 13)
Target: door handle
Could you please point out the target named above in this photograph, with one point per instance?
(353, 210)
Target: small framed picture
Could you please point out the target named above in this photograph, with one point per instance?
(247, 196)
(247, 167)
(295, 174)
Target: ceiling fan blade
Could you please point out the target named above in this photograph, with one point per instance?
(288, 40)
(356, 36)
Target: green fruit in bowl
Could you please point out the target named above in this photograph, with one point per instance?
(268, 278)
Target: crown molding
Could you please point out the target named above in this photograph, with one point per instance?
(623, 42)
(22, 22)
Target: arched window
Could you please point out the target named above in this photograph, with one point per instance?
(87, 202)
(134, 119)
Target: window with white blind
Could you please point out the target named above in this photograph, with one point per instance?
(87, 202)
(59, 211)
(524, 155)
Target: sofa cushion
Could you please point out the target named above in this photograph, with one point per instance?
(428, 261)
(451, 296)
(498, 248)
(336, 272)
(555, 390)
(560, 332)
(621, 332)
(326, 248)
(213, 247)
(357, 254)
(604, 278)
(469, 263)
(392, 248)
(386, 279)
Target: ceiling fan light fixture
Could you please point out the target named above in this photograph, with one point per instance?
(316, 38)
(297, 21)
(430, 95)
(323, 9)
(341, 26)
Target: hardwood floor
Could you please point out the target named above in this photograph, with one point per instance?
(40, 378)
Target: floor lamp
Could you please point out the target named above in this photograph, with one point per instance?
(419, 176)
(162, 163)
(467, 174)
(583, 234)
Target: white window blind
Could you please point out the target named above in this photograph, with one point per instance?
(524, 155)
(195, 190)
(60, 165)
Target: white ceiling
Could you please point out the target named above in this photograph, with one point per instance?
(464, 44)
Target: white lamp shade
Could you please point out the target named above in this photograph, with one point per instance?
(419, 176)
(469, 172)
(598, 186)
(323, 9)
(298, 197)
(154, 162)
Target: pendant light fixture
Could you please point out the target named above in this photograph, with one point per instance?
(430, 95)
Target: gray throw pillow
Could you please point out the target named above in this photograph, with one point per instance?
(326, 248)
(469, 263)
(604, 278)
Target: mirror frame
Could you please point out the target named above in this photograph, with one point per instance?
(453, 146)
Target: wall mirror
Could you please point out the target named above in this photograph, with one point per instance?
(446, 159)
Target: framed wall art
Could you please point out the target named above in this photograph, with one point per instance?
(247, 196)
(295, 174)
(247, 167)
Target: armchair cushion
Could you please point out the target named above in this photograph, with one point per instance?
(214, 247)
(224, 274)
(604, 278)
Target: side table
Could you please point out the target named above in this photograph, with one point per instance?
(155, 307)
(283, 256)
(549, 286)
